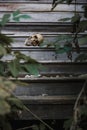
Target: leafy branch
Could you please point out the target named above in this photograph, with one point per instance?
(19, 63)
(78, 25)
(56, 2)
(14, 66)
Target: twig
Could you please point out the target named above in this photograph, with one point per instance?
(80, 94)
(27, 109)
(50, 128)
(73, 125)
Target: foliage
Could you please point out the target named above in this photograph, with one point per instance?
(15, 16)
(79, 24)
(9, 104)
(56, 2)
(79, 119)
(13, 67)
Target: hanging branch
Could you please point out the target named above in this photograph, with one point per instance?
(27, 109)
(76, 22)
(75, 109)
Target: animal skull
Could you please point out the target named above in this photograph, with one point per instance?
(34, 40)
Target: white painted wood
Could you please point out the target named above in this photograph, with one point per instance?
(37, 1)
(44, 16)
(37, 7)
(15, 33)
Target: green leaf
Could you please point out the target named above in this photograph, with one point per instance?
(16, 13)
(14, 67)
(68, 47)
(2, 51)
(15, 102)
(83, 25)
(56, 2)
(65, 19)
(57, 46)
(5, 19)
(60, 51)
(9, 86)
(75, 18)
(6, 87)
(21, 56)
(4, 107)
(32, 69)
(5, 40)
(65, 49)
(24, 16)
(63, 38)
(4, 93)
(16, 19)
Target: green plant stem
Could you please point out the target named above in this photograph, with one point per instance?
(80, 94)
(27, 109)
(73, 125)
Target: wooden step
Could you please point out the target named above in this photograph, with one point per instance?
(48, 107)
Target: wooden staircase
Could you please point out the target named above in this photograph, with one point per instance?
(52, 94)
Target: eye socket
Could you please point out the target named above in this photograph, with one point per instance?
(35, 36)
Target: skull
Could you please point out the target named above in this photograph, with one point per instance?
(34, 40)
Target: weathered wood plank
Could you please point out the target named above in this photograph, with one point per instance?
(6, 7)
(38, 1)
(61, 69)
(44, 99)
(30, 28)
(47, 109)
(48, 112)
(41, 54)
(43, 16)
(49, 87)
(55, 69)
(44, 28)
(18, 41)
